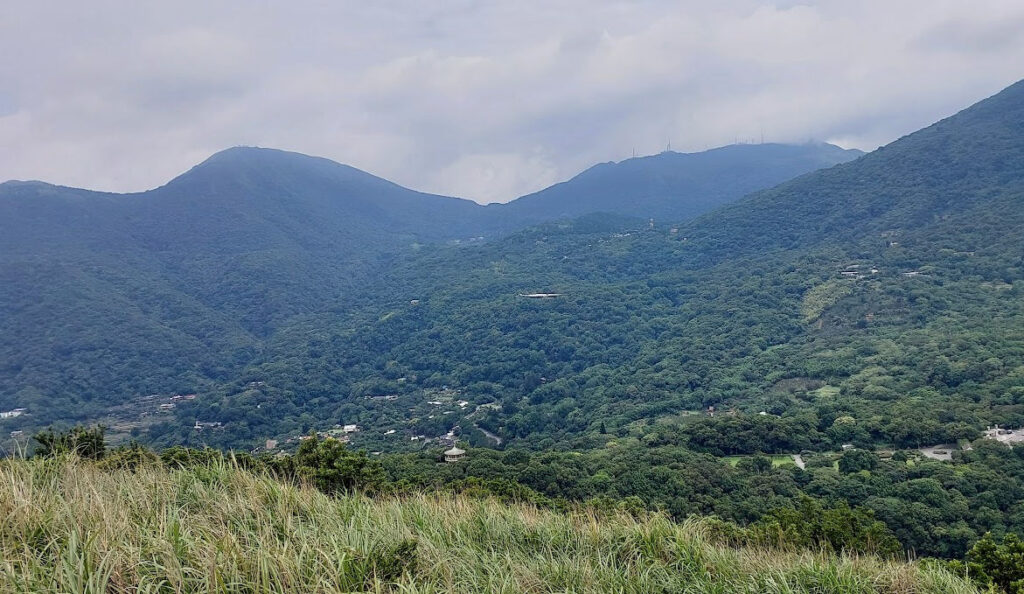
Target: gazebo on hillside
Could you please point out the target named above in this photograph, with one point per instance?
(454, 455)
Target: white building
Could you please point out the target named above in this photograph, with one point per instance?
(10, 414)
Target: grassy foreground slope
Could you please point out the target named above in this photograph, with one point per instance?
(70, 526)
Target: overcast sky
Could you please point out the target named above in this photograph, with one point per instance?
(481, 99)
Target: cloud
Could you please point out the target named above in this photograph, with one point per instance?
(482, 100)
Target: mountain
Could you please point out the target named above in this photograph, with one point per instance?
(946, 178)
(874, 304)
(884, 291)
(329, 287)
(108, 297)
(237, 200)
(675, 186)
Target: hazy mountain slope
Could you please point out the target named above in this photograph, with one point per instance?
(675, 186)
(300, 200)
(971, 159)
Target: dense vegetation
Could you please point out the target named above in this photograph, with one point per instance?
(106, 298)
(854, 501)
(876, 304)
(76, 526)
(836, 304)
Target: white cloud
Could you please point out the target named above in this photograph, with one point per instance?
(483, 100)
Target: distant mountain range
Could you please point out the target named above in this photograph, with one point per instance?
(252, 198)
(108, 295)
(326, 287)
(673, 187)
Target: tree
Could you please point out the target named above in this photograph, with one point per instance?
(840, 528)
(333, 468)
(857, 460)
(1002, 565)
(80, 441)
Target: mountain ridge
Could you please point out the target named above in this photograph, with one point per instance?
(675, 186)
(232, 166)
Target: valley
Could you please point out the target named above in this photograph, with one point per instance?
(512, 297)
(847, 337)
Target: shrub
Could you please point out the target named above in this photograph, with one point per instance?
(80, 441)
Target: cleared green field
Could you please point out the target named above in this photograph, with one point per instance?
(826, 392)
(778, 460)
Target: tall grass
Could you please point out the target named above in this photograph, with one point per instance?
(70, 526)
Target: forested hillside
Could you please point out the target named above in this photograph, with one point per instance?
(875, 303)
(110, 298)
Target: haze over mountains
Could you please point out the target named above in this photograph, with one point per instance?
(759, 368)
(330, 285)
(110, 295)
(676, 186)
(869, 276)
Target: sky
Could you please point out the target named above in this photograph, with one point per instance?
(487, 100)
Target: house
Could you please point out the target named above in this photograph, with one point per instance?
(10, 414)
(167, 406)
(350, 428)
(454, 455)
(271, 444)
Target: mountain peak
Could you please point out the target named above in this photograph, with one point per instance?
(256, 166)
